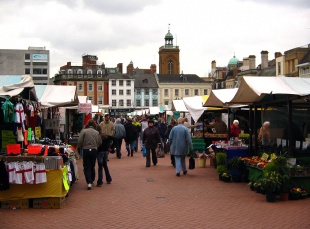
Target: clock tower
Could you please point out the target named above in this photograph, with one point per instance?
(169, 61)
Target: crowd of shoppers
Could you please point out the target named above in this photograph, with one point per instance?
(97, 140)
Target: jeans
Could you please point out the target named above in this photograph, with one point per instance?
(89, 162)
(148, 157)
(102, 163)
(131, 145)
(118, 146)
(180, 163)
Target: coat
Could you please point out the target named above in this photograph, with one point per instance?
(180, 140)
(151, 137)
(131, 132)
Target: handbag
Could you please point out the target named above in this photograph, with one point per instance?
(160, 153)
(143, 151)
(191, 164)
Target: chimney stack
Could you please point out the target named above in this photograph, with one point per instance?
(252, 64)
(264, 63)
(213, 64)
(277, 54)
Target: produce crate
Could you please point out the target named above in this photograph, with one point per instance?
(15, 204)
(48, 203)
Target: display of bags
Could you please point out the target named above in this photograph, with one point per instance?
(191, 163)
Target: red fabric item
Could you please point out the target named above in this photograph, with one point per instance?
(86, 118)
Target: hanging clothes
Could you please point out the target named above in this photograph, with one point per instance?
(20, 115)
(8, 111)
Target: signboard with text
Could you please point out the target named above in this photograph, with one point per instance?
(84, 108)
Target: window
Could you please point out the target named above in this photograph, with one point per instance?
(27, 56)
(90, 87)
(70, 84)
(70, 73)
(155, 91)
(113, 82)
(27, 63)
(205, 91)
(80, 87)
(128, 102)
(91, 99)
(128, 92)
(138, 91)
(186, 92)
(196, 91)
(170, 67)
(89, 73)
(166, 92)
(279, 68)
(100, 87)
(121, 103)
(146, 102)
(99, 73)
(166, 102)
(121, 83)
(100, 100)
(113, 92)
(176, 92)
(138, 103)
(155, 102)
(128, 82)
(27, 70)
(39, 63)
(147, 92)
(80, 73)
(113, 103)
(121, 92)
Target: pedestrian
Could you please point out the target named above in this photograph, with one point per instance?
(102, 159)
(180, 140)
(151, 139)
(89, 141)
(264, 136)
(144, 125)
(162, 127)
(131, 135)
(172, 123)
(107, 127)
(138, 128)
(120, 133)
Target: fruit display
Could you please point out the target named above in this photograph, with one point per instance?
(210, 135)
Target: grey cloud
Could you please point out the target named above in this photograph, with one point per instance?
(294, 3)
(119, 6)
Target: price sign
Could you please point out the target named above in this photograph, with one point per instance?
(265, 156)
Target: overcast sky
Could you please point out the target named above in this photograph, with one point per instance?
(121, 31)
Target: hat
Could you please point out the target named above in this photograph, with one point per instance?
(106, 115)
(150, 121)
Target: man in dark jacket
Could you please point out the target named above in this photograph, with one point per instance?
(131, 136)
(162, 127)
(151, 139)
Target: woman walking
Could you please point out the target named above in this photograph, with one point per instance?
(151, 139)
(102, 158)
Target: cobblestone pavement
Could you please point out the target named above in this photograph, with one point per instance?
(155, 197)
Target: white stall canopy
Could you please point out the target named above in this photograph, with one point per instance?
(58, 95)
(178, 105)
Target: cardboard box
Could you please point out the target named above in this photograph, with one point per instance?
(15, 204)
(48, 203)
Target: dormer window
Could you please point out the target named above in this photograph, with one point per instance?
(89, 73)
(70, 73)
(99, 73)
(80, 73)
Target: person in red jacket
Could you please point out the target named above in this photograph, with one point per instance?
(234, 129)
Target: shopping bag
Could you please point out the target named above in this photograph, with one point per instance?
(191, 163)
(143, 151)
(159, 152)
